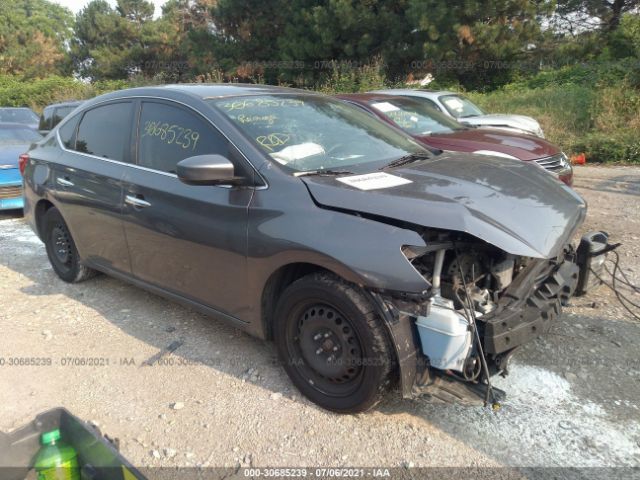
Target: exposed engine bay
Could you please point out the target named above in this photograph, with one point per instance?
(482, 305)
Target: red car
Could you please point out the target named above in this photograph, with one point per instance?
(435, 130)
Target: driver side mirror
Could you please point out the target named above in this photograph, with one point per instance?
(207, 170)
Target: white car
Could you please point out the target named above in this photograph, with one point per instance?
(465, 111)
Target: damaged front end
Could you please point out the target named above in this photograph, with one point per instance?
(495, 257)
(483, 305)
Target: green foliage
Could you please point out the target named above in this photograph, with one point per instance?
(616, 147)
(596, 116)
(583, 86)
(346, 79)
(115, 43)
(625, 41)
(591, 74)
(564, 112)
(479, 44)
(608, 12)
(37, 93)
(476, 43)
(33, 35)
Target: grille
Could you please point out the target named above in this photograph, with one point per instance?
(554, 164)
(11, 192)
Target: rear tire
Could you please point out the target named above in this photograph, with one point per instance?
(332, 344)
(61, 249)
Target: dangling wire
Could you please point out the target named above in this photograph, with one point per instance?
(622, 298)
(471, 318)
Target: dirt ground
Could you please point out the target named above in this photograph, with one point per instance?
(574, 394)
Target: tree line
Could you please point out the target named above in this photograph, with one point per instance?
(478, 43)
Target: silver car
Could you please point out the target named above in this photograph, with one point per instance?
(465, 111)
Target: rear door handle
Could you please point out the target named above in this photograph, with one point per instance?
(64, 182)
(136, 202)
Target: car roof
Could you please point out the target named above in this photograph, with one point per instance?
(196, 91)
(418, 92)
(8, 125)
(16, 108)
(368, 97)
(69, 103)
(204, 91)
(221, 90)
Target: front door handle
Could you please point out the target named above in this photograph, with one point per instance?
(136, 201)
(64, 182)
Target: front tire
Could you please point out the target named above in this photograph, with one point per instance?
(61, 249)
(333, 345)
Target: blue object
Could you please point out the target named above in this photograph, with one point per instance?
(10, 178)
(10, 189)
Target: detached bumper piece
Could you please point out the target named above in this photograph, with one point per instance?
(592, 253)
(525, 315)
(442, 388)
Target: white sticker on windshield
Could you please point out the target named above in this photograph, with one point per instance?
(454, 103)
(372, 181)
(385, 107)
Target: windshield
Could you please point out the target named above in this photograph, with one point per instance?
(309, 133)
(460, 107)
(18, 136)
(415, 116)
(17, 115)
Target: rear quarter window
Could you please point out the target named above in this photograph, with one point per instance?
(67, 133)
(45, 119)
(60, 114)
(105, 131)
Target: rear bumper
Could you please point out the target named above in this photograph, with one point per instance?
(11, 196)
(10, 189)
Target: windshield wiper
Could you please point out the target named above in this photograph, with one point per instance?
(322, 171)
(412, 157)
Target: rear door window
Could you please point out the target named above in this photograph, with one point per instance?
(168, 134)
(105, 131)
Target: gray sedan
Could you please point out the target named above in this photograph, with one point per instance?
(369, 260)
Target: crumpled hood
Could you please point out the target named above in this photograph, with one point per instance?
(520, 122)
(516, 206)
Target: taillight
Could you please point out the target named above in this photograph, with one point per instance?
(22, 162)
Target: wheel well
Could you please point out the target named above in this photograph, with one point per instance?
(277, 283)
(41, 208)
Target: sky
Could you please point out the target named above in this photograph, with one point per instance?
(76, 5)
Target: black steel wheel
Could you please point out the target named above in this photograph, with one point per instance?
(332, 344)
(61, 249)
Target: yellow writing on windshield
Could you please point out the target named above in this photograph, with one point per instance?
(268, 119)
(260, 102)
(273, 140)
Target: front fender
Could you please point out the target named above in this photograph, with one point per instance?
(360, 250)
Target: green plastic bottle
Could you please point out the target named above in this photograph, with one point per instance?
(56, 460)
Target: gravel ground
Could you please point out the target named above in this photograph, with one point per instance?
(222, 400)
